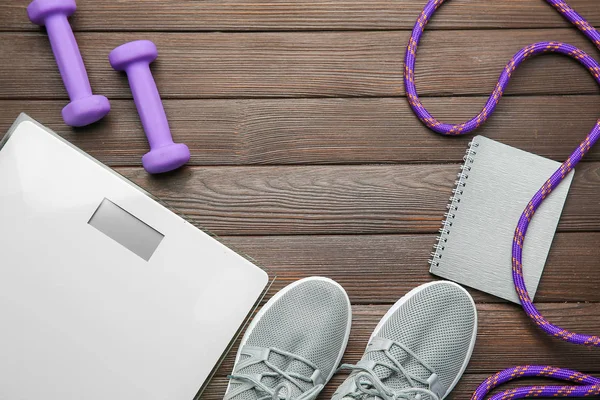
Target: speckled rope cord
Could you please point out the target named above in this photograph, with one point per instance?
(585, 385)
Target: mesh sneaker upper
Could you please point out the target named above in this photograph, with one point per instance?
(310, 320)
(437, 324)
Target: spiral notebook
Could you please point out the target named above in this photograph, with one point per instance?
(493, 188)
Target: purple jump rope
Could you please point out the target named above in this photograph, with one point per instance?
(585, 385)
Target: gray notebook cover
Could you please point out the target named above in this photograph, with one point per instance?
(495, 185)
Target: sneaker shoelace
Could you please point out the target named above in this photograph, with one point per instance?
(368, 384)
(271, 394)
(291, 379)
(586, 385)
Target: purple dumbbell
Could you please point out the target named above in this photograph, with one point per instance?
(85, 108)
(134, 58)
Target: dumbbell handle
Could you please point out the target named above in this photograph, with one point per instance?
(149, 105)
(68, 57)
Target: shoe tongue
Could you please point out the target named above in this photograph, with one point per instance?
(284, 363)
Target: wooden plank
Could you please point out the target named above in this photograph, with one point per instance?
(314, 64)
(389, 265)
(324, 131)
(334, 199)
(247, 15)
(505, 338)
(290, 131)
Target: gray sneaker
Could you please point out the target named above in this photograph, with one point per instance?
(294, 344)
(419, 349)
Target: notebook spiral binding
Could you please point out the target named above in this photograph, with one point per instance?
(454, 203)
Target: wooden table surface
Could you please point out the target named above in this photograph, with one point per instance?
(306, 156)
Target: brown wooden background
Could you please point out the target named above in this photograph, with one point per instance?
(306, 155)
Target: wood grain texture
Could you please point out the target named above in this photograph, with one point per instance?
(335, 199)
(248, 15)
(293, 64)
(505, 338)
(324, 131)
(381, 268)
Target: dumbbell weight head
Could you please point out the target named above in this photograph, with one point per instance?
(139, 51)
(86, 110)
(39, 10)
(167, 158)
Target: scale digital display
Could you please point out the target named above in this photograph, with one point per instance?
(125, 229)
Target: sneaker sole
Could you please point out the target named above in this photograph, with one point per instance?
(280, 294)
(412, 293)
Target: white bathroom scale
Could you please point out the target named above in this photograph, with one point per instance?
(105, 294)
